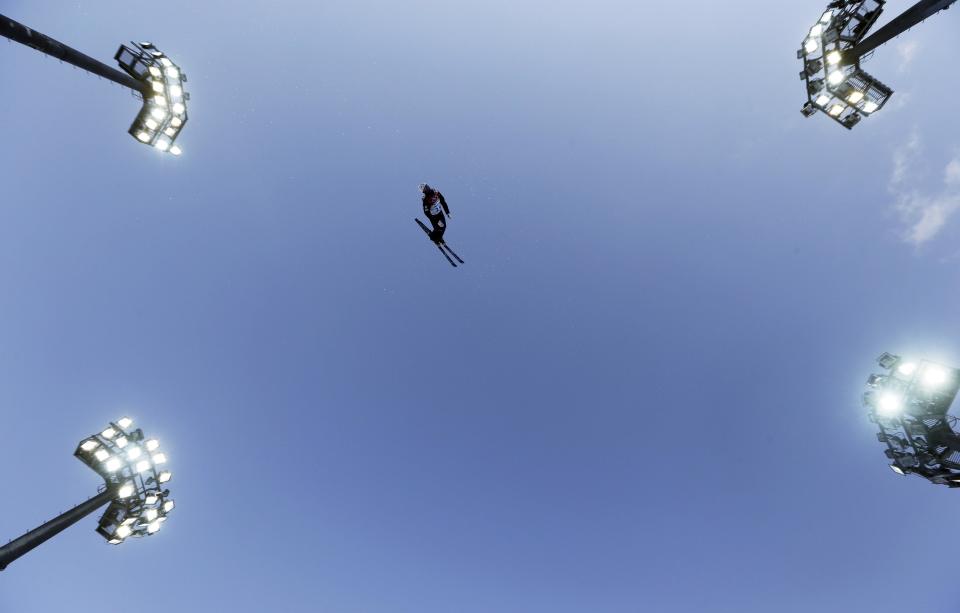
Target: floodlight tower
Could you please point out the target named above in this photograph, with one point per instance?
(133, 488)
(152, 77)
(835, 46)
(909, 404)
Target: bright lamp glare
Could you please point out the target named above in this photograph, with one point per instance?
(109, 433)
(907, 369)
(173, 73)
(114, 464)
(833, 57)
(143, 137)
(152, 528)
(168, 506)
(123, 531)
(870, 106)
(164, 476)
(175, 150)
(126, 491)
(133, 453)
(150, 499)
(143, 466)
(836, 77)
(176, 122)
(158, 114)
(855, 97)
(160, 458)
(816, 30)
(934, 376)
(811, 45)
(102, 455)
(124, 422)
(162, 145)
(826, 17)
(157, 86)
(150, 514)
(89, 445)
(179, 108)
(152, 444)
(889, 405)
(175, 90)
(836, 110)
(122, 442)
(822, 100)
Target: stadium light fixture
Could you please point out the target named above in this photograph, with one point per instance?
(909, 403)
(834, 47)
(134, 490)
(148, 72)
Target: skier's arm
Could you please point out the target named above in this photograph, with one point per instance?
(443, 203)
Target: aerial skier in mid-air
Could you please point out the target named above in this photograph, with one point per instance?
(436, 209)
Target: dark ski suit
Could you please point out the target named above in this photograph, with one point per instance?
(434, 207)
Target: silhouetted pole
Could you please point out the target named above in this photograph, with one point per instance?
(44, 44)
(31, 540)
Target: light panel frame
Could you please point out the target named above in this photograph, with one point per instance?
(913, 420)
(836, 86)
(164, 111)
(142, 503)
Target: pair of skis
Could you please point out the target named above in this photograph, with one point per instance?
(441, 245)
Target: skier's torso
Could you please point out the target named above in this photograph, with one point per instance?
(431, 205)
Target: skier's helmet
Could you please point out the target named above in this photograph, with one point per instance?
(426, 190)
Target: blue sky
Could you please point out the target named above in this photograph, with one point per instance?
(639, 394)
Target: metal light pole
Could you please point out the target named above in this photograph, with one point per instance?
(835, 46)
(152, 76)
(129, 466)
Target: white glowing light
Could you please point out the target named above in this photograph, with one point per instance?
(816, 30)
(176, 122)
(124, 422)
(153, 527)
(176, 90)
(143, 137)
(836, 110)
(164, 476)
(171, 132)
(811, 45)
(834, 57)
(150, 123)
(89, 445)
(152, 444)
(173, 73)
(175, 150)
(155, 72)
(133, 453)
(122, 442)
(102, 454)
(855, 97)
(124, 531)
(158, 114)
(822, 100)
(150, 499)
(934, 376)
(168, 506)
(897, 469)
(160, 458)
(143, 466)
(108, 433)
(126, 491)
(167, 63)
(162, 144)
(907, 369)
(889, 405)
(870, 106)
(114, 464)
(826, 17)
(150, 514)
(178, 108)
(836, 77)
